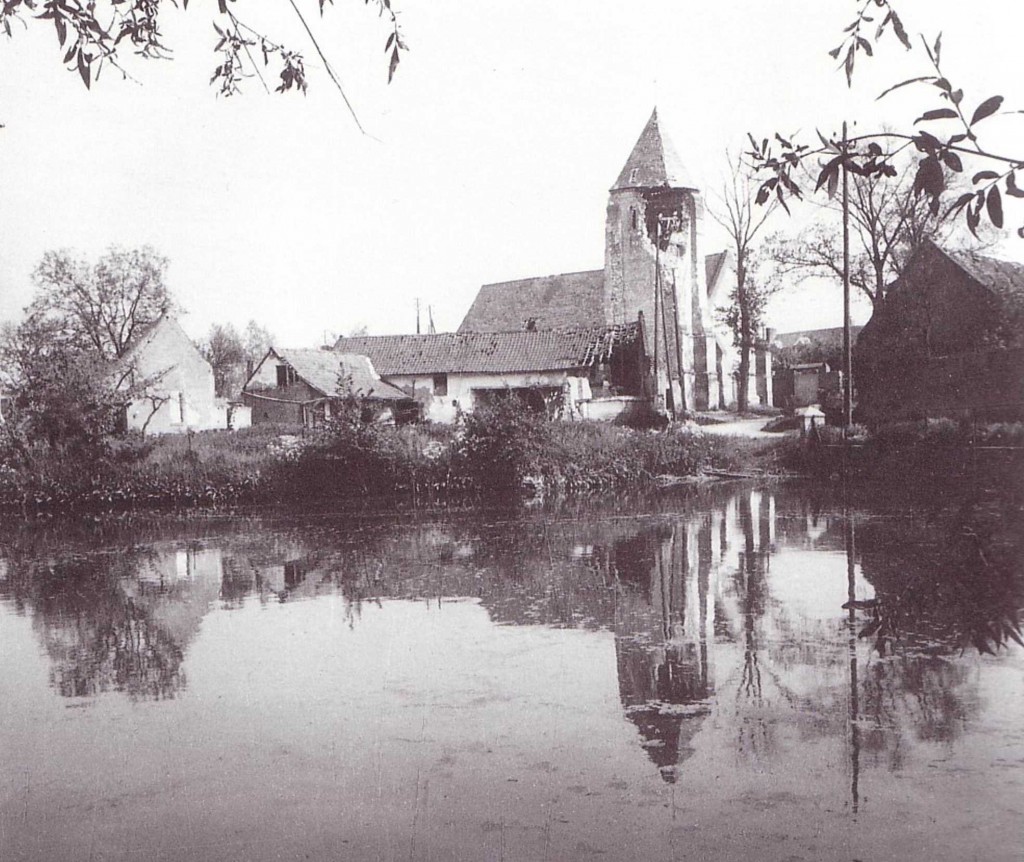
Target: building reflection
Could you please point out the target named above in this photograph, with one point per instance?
(765, 615)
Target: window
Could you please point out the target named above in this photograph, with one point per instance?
(633, 174)
(440, 384)
(634, 217)
(286, 375)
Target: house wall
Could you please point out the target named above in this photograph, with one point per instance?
(445, 408)
(183, 382)
(984, 385)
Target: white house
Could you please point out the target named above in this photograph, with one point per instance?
(169, 384)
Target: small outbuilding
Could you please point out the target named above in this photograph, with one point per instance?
(304, 387)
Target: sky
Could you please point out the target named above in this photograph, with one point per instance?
(488, 158)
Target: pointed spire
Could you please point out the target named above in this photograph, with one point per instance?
(653, 163)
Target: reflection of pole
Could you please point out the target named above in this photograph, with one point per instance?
(847, 357)
(851, 594)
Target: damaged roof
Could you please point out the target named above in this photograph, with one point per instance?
(572, 299)
(324, 369)
(563, 349)
(653, 163)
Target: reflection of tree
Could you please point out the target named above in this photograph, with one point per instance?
(99, 638)
(948, 584)
(752, 587)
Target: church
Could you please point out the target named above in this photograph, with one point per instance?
(654, 272)
(638, 334)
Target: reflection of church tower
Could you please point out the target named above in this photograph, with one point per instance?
(662, 628)
(653, 266)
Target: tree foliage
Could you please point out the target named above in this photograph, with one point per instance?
(224, 349)
(92, 35)
(102, 307)
(951, 147)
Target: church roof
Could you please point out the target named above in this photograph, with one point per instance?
(490, 352)
(550, 301)
(654, 163)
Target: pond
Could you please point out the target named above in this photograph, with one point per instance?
(734, 673)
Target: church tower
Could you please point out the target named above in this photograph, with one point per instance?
(653, 267)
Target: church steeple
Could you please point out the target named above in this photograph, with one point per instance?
(653, 163)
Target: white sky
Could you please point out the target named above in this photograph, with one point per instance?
(491, 154)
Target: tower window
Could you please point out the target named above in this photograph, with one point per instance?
(634, 216)
(633, 174)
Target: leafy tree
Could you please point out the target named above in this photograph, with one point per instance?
(747, 300)
(257, 341)
(93, 35)
(101, 308)
(226, 353)
(60, 403)
(872, 154)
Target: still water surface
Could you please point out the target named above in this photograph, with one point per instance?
(669, 680)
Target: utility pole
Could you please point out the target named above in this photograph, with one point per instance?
(417, 315)
(847, 351)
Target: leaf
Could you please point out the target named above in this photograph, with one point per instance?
(952, 161)
(833, 184)
(929, 178)
(904, 83)
(901, 33)
(848, 65)
(959, 204)
(1011, 186)
(956, 97)
(984, 175)
(393, 64)
(83, 70)
(937, 114)
(938, 48)
(62, 28)
(986, 109)
(864, 44)
(994, 205)
(387, 46)
(831, 167)
(834, 53)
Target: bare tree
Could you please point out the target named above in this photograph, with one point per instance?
(889, 218)
(740, 213)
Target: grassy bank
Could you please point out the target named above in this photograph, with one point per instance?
(928, 452)
(499, 452)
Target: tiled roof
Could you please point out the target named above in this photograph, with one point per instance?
(490, 352)
(573, 299)
(653, 163)
(825, 337)
(323, 370)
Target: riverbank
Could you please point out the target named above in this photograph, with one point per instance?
(495, 454)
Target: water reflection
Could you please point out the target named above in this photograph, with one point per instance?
(775, 612)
